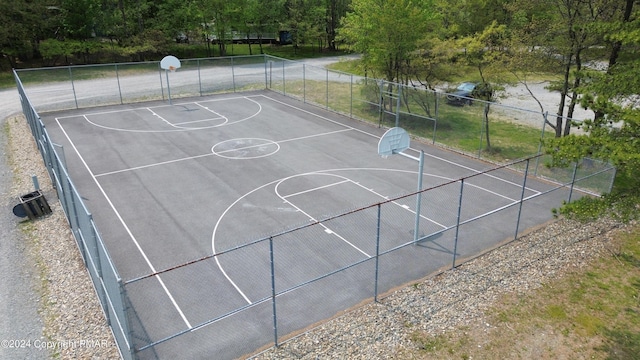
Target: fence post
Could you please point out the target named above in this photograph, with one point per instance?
(399, 94)
(267, 85)
(613, 178)
(351, 96)
(284, 86)
(544, 125)
(435, 113)
(199, 77)
(326, 84)
(233, 75)
(161, 85)
(375, 284)
(455, 241)
(573, 181)
(416, 232)
(304, 83)
(482, 127)
(127, 332)
(524, 184)
(381, 104)
(273, 293)
(119, 87)
(73, 87)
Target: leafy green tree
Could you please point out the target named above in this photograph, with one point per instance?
(560, 32)
(466, 18)
(614, 136)
(223, 16)
(487, 52)
(179, 18)
(386, 33)
(261, 17)
(335, 11)
(79, 18)
(24, 23)
(305, 21)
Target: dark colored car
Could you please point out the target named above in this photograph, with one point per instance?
(463, 94)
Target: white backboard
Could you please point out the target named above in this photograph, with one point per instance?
(394, 141)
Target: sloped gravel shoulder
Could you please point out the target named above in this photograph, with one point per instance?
(452, 299)
(74, 324)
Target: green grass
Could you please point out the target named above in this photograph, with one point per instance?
(348, 66)
(6, 80)
(457, 127)
(283, 51)
(592, 313)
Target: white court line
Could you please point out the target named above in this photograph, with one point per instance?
(329, 231)
(317, 188)
(328, 171)
(160, 117)
(210, 154)
(406, 207)
(146, 259)
(154, 164)
(348, 180)
(217, 113)
(176, 125)
(171, 125)
(197, 121)
(154, 107)
(480, 172)
(378, 137)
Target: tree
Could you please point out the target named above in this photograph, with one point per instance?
(79, 18)
(614, 136)
(487, 52)
(24, 23)
(261, 17)
(565, 31)
(179, 17)
(466, 18)
(386, 33)
(304, 20)
(335, 11)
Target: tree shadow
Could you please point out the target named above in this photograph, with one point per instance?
(621, 344)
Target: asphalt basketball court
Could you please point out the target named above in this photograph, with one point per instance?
(171, 183)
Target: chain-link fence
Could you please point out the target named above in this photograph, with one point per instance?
(475, 127)
(106, 281)
(457, 221)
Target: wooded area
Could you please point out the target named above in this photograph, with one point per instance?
(588, 47)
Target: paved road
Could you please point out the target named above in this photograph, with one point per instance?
(19, 298)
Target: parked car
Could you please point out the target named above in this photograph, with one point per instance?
(463, 94)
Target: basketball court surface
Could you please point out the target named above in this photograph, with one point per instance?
(169, 184)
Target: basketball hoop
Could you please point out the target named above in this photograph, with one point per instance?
(170, 63)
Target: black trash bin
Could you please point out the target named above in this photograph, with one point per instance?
(35, 205)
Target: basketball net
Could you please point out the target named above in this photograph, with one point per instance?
(172, 68)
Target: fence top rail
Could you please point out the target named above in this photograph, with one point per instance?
(151, 62)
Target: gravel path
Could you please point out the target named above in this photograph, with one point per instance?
(20, 295)
(50, 307)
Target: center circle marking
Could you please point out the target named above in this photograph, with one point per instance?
(245, 148)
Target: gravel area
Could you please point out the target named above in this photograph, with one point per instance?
(452, 299)
(71, 324)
